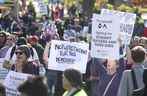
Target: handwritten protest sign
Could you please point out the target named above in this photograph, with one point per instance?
(127, 21)
(12, 81)
(64, 55)
(40, 7)
(105, 30)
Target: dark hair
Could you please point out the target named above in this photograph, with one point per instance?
(34, 86)
(138, 54)
(25, 49)
(74, 77)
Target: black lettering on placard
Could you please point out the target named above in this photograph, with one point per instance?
(98, 32)
(67, 53)
(102, 26)
(112, 42)
(104, 21)
(98, 44)
(63, 60)
(103, 37)
(100, 41)
(70, 48)
(63, 53)
(72, 53)
(127, 28)
(108, 45)
(105, 26)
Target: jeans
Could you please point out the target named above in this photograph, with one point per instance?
(51, 80)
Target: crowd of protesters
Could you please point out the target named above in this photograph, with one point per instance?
(25, 47)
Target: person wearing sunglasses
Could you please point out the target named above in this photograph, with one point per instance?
(22, 64)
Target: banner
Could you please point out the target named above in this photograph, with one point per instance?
(105, 31)
(64, 55)
(13, 81)
(127, 21)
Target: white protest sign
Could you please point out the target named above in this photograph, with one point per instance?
(105, 31)
(40, 7)
(127, 21)
(12, 82)
(1, 62)
(3, 71)
(64, 55)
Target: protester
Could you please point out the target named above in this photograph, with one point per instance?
(11, 39)
(127, 86)
(44, 21)
(54, 77)
(72, 82)
(5, 48)
(10, 56)
(34, 86)
(102, 75)
(105, 76)
(56, 13)
(22, 64)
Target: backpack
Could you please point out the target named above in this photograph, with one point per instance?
(136, 91)
(135, 86)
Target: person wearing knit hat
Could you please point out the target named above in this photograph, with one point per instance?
(22, 64)
(72, 82)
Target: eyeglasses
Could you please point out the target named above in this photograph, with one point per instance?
(18, 53)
